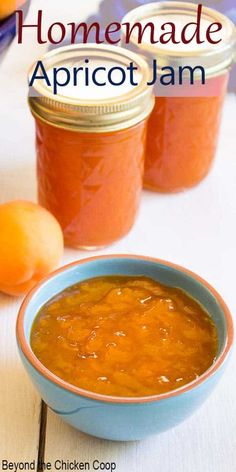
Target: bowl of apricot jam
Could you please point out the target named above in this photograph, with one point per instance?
(122, 347)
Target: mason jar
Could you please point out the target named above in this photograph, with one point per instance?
(184, 125)
(90, 144)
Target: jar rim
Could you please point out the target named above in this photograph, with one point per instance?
(213, 59)
(100, 114)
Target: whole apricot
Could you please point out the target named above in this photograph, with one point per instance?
(31, 245)
(7, 7)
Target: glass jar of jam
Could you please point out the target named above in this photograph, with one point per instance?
(90, 140)
(184, 125)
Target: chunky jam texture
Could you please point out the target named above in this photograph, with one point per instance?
(182, 139)
(91, 182)
(124, 336)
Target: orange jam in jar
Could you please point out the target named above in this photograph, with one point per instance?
(124, 336)
(181, 147)
(184, 125)
(90, 143)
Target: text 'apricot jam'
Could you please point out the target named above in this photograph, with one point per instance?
(124, 336)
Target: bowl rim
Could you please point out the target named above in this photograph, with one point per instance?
(24, 345)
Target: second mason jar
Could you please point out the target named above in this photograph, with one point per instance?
(90, 144)
(184, 125)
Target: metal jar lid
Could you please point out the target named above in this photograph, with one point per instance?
(213, 57)
(86, 109)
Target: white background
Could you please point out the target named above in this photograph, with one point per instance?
(196, 229)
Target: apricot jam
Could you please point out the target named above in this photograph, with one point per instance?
(124, 336)
(181, 141)
(184, 125)
(91, 182)
(90, 142)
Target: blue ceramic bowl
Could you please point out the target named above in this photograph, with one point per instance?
(8, 30)
(7, 33)
(119, 418)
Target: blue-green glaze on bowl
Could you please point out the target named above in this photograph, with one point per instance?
(123, 418)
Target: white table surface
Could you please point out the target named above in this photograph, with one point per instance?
(196, 229)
